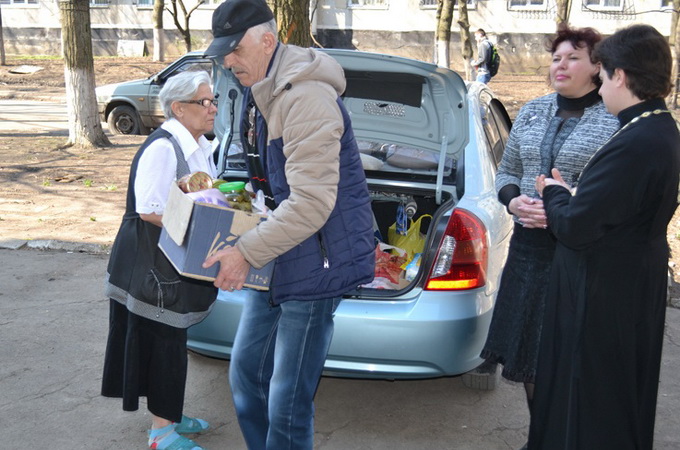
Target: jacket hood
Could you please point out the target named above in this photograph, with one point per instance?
(298, 65)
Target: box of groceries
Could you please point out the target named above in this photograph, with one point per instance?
(199, 224)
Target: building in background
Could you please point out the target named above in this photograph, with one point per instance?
(399, 27)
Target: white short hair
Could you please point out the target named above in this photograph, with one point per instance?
(267, 27)
(181, 87)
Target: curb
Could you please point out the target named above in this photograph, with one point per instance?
(51, 244)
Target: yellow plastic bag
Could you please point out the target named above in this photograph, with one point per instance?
(412, 242)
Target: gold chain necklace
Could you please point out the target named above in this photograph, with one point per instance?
(635, 119)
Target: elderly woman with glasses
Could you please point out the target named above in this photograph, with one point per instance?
(146, 352)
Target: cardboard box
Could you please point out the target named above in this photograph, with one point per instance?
(193, 231)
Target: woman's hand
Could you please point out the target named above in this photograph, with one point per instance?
(542, 181)
(529, 211)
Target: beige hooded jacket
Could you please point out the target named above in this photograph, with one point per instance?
(298, 101)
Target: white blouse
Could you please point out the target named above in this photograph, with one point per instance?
(157, 167)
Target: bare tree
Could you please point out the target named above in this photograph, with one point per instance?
(3, 61)
(292, 17)
(443, 33)
(465, 41)
(158, 34)
(563, 11)
(177, 8)
(85, 129)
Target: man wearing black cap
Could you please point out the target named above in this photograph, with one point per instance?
(303, 155)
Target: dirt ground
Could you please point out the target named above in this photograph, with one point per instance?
(73, 194)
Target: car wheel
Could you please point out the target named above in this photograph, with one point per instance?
(483, 378)
(125, 120)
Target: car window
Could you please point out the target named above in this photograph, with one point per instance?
(193, 66)
(496, 127)
(502, 120)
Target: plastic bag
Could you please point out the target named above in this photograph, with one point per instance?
(412, 268)
(388, 265)
(412, 242)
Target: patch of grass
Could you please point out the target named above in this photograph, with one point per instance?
(93, 219)
(87, 182)
(43, 57)
(110, 187)
(46, 182)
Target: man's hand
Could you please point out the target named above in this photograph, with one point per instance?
(529, 211)
(233, 268)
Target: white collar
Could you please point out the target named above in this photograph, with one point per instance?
(185, 139)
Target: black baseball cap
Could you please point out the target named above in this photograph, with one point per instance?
(231, 20)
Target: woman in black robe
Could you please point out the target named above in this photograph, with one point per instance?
(599, 360)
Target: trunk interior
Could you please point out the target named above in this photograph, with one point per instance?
(389, 204)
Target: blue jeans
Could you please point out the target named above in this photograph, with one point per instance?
(276, 364)
(483, 77)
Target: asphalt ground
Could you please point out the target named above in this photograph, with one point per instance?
(53, 327)
(47, 116)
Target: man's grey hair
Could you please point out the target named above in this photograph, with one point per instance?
(259, 30)
(181, 87)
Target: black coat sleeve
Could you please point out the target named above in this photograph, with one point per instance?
(619, 182)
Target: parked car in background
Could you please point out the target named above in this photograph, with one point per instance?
(430, 144)
(132, 107)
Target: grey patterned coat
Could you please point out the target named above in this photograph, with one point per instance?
(521, 162)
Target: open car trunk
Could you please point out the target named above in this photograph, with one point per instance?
(411, 125)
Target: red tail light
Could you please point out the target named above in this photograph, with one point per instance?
(462, 257)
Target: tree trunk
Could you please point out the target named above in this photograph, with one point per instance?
(85, 129)
(562, 11)
(158, 34)
(435, 50)
(675, 47)
(444, 20)
(292, 18)
(465, 41)
(187, 39)
(3, 61)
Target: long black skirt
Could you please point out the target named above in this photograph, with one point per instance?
(515, 330)
(148, 359)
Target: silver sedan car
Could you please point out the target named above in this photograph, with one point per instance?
(133, 107)
(430, 144)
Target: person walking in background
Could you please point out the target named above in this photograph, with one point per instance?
(146, 352)
(560, 130)
(481, 64)
(303, 155)
(599, 362)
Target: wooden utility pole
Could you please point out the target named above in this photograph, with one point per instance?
(85, 129)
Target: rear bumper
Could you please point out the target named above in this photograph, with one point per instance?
(423, 334)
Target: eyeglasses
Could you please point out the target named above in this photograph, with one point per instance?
(204, 102)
